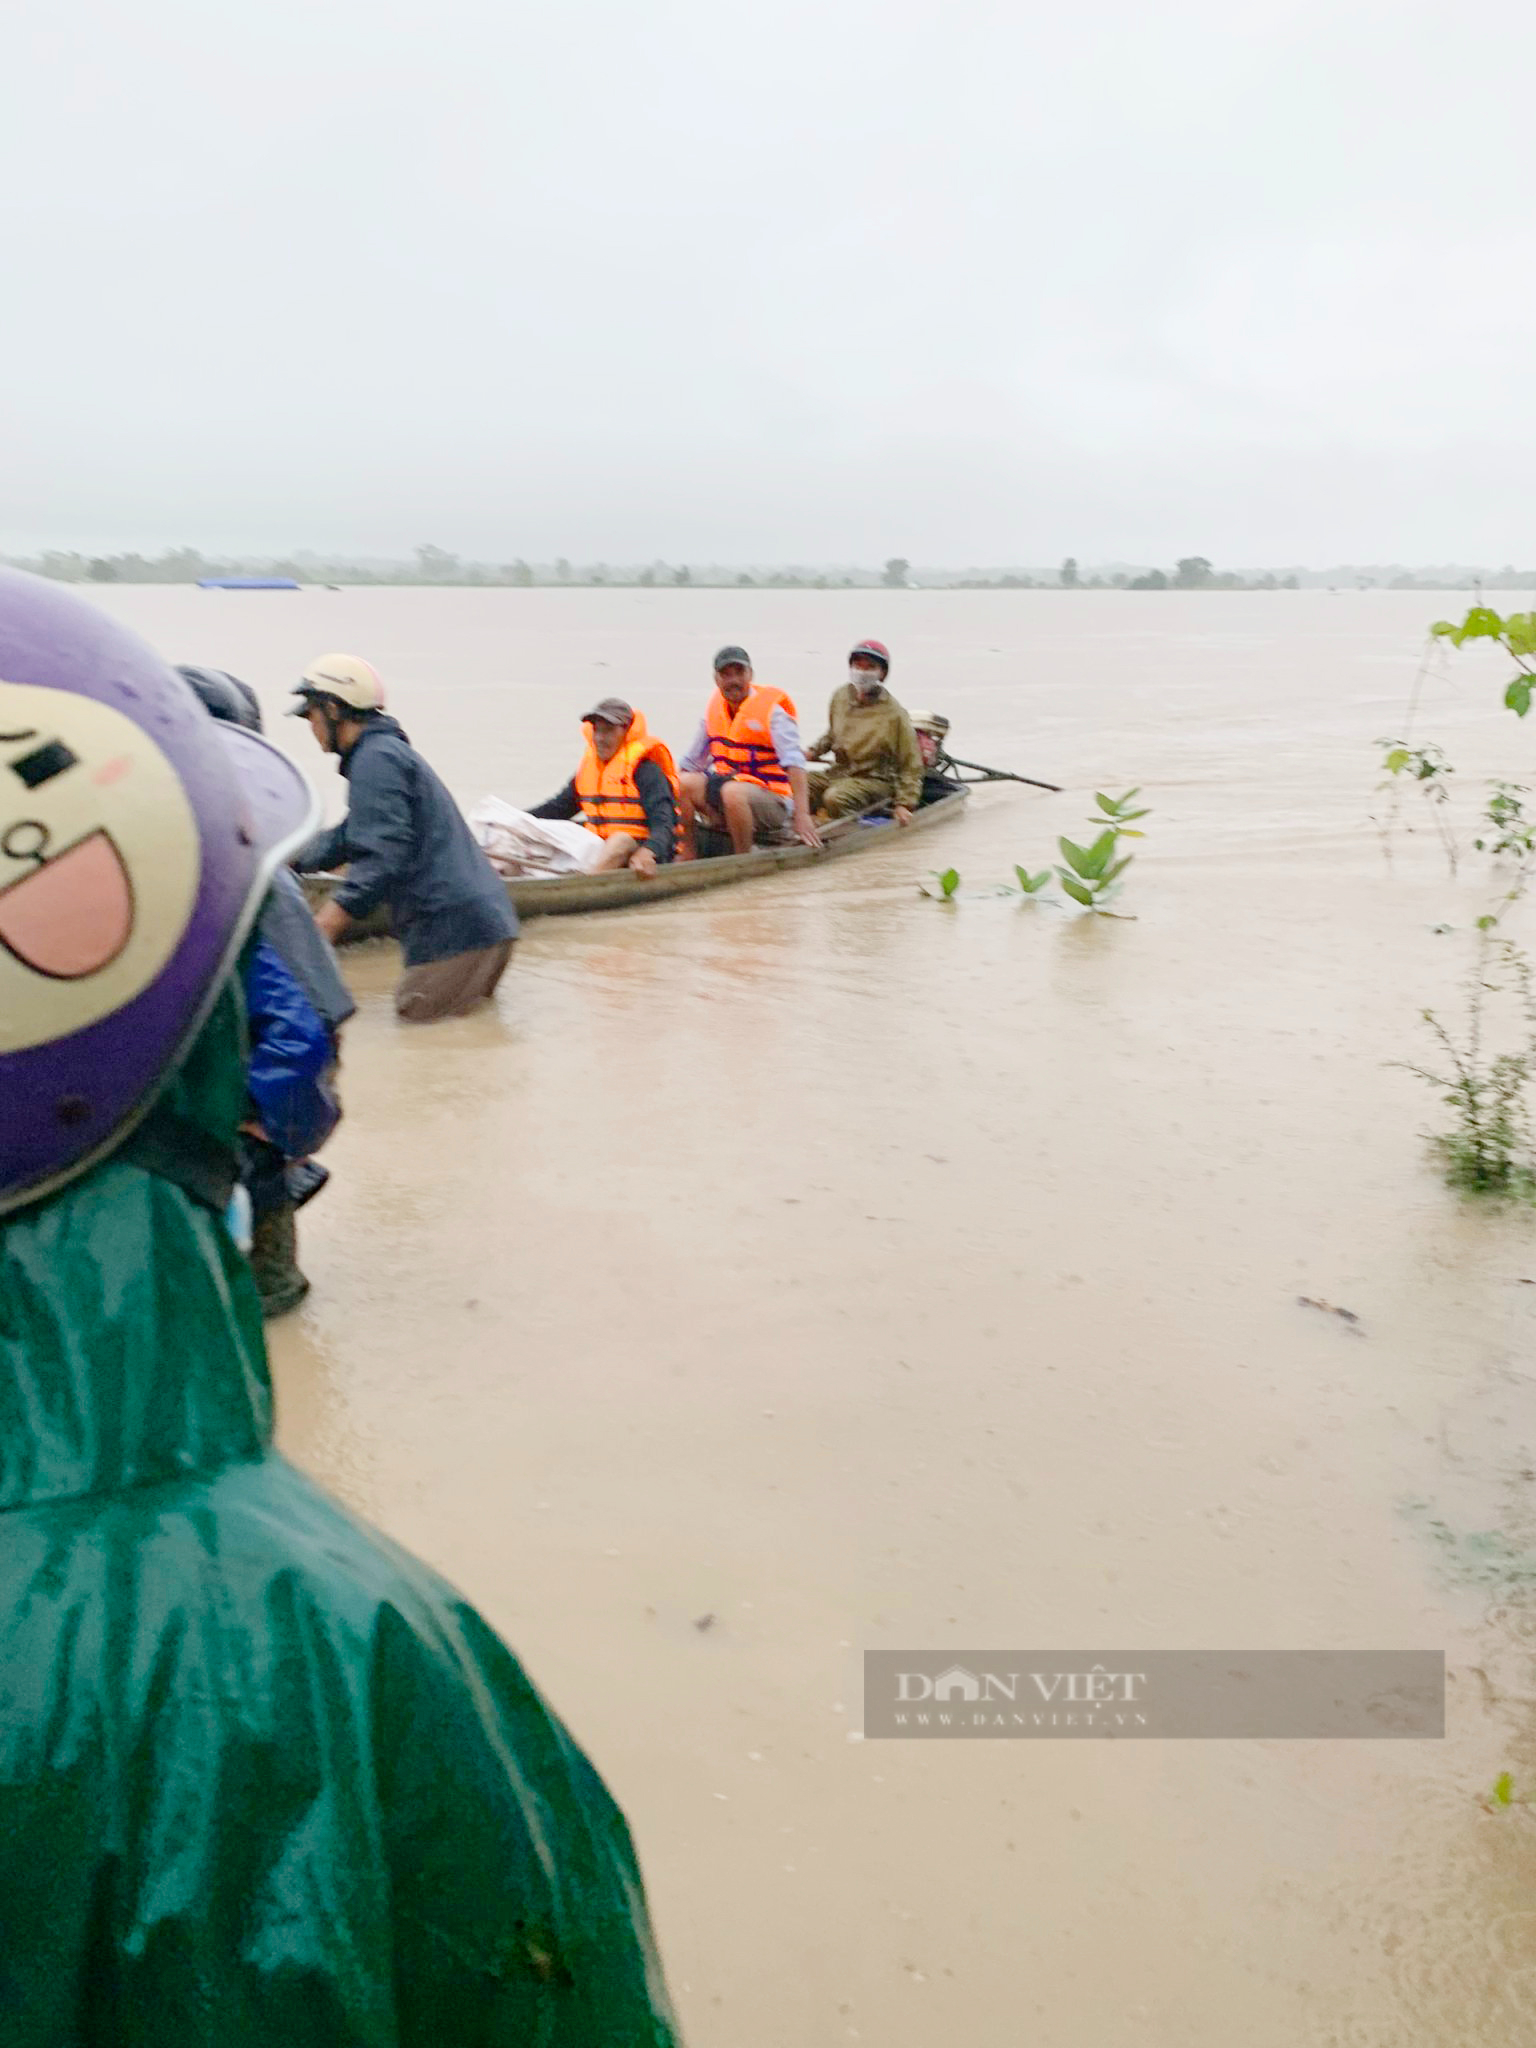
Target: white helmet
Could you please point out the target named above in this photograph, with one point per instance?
(346, 677)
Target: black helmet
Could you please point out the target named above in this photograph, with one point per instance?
(225, 696)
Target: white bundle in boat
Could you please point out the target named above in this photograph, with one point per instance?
(517, 843)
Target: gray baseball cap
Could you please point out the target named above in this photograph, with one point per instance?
(727, 655)
(612, 710)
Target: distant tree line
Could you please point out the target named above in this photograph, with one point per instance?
(435, 565)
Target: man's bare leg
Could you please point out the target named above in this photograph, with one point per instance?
(740, 819)
(690, 789)
(618, 852)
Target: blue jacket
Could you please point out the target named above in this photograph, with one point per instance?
(404, 843)
(289, 928)
(291, 1056)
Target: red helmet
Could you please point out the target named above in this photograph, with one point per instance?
(877, 650)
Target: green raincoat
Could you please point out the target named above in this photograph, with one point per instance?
(265, 1781)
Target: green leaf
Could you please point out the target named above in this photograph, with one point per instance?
(1075, 889)
(1032, 884)
(949, 882)
(1487, 923)
(1119, 868)
(1442, 629)
(1077, 856)
(1397, 760)
(1504, 1788)
(1479, 624)
(1127, 833)
(1106, 804)
(1518, 695)
(1144, 812)
(1100, 854)
(1520, 632)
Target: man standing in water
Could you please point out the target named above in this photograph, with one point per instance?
(871, 739)
(404, 843)
(265, 1778)
(745, 771)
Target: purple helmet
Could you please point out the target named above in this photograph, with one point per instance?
(137, 838)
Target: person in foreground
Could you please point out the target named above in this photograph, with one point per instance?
(745, 772)
(872, 743)
(265, 1778)
(625, 790)
(405, 844)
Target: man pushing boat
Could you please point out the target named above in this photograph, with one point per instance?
(405, 844)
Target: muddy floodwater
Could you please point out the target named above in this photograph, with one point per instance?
(809, 1267)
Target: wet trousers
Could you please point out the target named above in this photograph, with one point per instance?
(837, 794)
(448, 988)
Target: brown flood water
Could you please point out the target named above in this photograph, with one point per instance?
(864, 1272)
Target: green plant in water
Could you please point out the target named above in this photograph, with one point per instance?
(1512, 838)
(1515, 634)
(1419, 764)
(1512, 835)
(1092, 872)
(1428, 767)
(1488, 1149)
(1121, 810)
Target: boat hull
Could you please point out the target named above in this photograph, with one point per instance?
(574, 895)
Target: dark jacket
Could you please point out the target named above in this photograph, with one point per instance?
(404, 843)
(265, 1780)
(873, 736)
(289, 928)
(291, 1057)
(655, 794)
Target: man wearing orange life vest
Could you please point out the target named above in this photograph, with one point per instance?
(746, 767)
(625, 790)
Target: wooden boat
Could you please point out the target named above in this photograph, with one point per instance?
(566, 895)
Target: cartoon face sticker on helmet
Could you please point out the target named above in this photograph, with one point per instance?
(99, 863)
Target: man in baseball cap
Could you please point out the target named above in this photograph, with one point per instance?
(406, 846)
(871, 740)
(624, 789)
(745, 773)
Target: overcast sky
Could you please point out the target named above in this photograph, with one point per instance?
(970, 281)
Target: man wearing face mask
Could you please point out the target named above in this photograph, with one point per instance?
(871, 741)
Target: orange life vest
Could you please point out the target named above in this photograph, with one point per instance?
(741, 741)
(610, 801)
